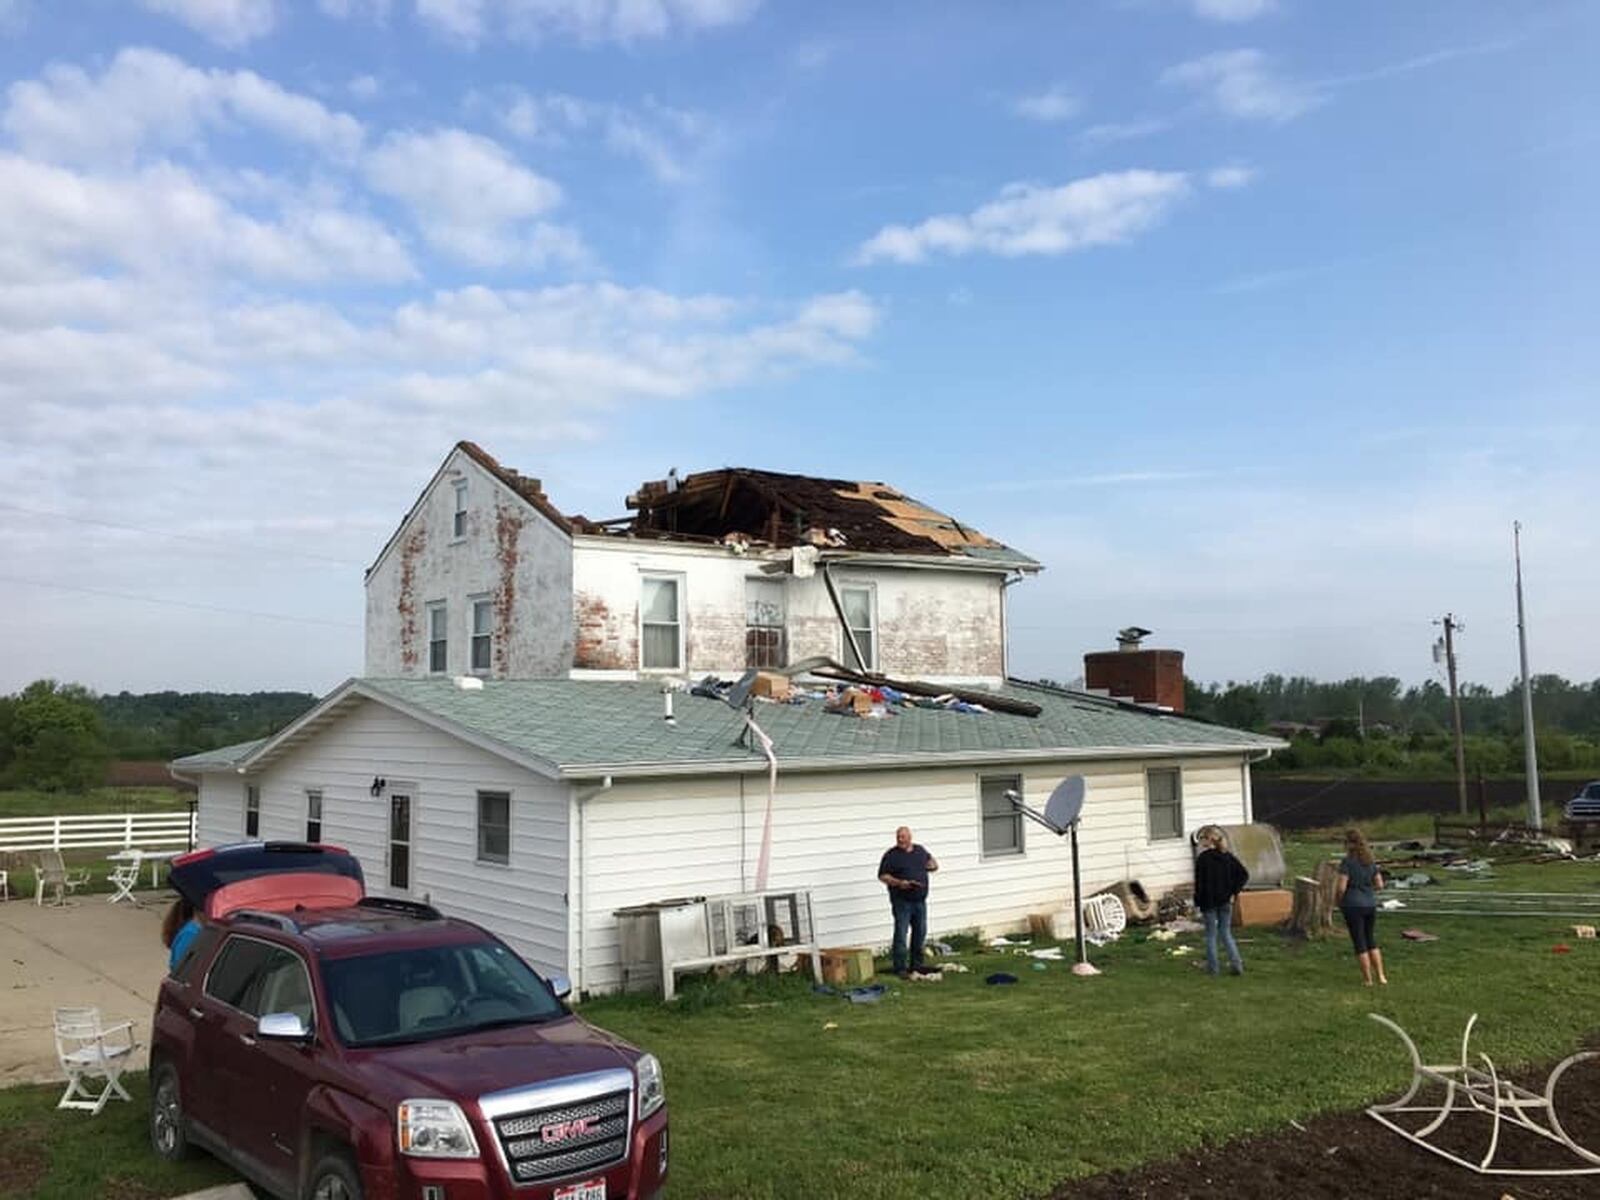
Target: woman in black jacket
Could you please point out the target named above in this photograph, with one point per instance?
(1218, 878)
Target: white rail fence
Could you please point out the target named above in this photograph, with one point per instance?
(117, 831)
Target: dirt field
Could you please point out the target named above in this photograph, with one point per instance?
(1349, 1154)
(1319, 803)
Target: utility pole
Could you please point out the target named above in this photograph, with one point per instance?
(1451, 628)
(1530, 753)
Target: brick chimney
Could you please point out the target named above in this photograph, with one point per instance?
(1133, 673)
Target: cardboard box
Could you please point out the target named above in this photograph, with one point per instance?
(1268, 906)
(847, 966)
(772, 685)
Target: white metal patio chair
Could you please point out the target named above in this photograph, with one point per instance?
(124, 877)
(52, 872)
(1104, 918)
(88, 1050)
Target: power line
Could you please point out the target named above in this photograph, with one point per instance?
(199, 538)
(211, 608)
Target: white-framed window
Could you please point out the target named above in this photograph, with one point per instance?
(494, 827)
(1002, 824)
(313, 814)
(458, 520)
(438, 637)
(252, 811)
(661, 623)
(1163, 790)
(860, 603)
(482, 643)
(764, 642)
(402, 813)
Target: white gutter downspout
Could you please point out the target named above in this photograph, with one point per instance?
(578, 799)
(764, 861)
(1249, 792)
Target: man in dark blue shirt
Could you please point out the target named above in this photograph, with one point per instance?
(904, 871)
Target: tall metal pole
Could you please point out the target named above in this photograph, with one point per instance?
(1530, 753)
(1077, 897)
(1450, 628)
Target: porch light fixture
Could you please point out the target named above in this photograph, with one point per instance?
(378, 784)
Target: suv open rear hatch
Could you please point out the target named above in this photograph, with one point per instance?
(268, 876)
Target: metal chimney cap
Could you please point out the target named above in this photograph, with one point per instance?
(1129, 638)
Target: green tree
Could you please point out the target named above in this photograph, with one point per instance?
(56, 739)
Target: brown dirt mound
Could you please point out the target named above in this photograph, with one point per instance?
(1349, 1154)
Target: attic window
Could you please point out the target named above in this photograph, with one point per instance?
(763, 624)
(858, 604)
(661, 623)
(458, 524)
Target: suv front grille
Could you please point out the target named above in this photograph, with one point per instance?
(547, 1143)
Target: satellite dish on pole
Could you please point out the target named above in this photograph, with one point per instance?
(1066, 802)
(739, 693)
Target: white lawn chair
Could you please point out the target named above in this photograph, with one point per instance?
(124, 876)
(1104, 918)
(52, 872)
(88, 1050)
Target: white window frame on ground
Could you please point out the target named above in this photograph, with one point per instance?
(486, 855)
(252, 811)
(991, 795)
(678, 591)
(407, 792)
(765, 613)
(1174, 805)
(870, 650)
(480, 635)
(313, 814)
(438, 619)
(458, 518)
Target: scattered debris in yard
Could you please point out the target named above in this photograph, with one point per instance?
(1583, 931)
(1000, 977)
(1417, 935)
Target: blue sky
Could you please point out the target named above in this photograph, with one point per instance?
(1258, 321)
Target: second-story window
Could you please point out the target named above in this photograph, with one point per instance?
(482, 634)
(661, 624)
(763, 624)
(858, 604)
(438, 638)
(458, 522)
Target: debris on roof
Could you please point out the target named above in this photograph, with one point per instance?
(530, 489)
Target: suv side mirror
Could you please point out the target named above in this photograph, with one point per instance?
(560, 985)
(282, 1027)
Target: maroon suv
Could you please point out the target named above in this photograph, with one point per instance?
(334, 1046)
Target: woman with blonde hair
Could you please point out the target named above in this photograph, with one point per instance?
(1360, 881)
(1218, 878)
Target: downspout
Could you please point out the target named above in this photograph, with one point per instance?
(764, 861)
(579, 800)
(1246, 788)
(838, 608)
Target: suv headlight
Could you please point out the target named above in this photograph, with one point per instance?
(652, 1091)
(435, 1129)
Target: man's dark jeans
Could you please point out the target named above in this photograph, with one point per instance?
(910, 913)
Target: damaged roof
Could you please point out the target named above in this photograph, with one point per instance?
(530, 489)
(571, 728)
(795, 510)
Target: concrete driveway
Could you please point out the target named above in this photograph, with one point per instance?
(89, 952)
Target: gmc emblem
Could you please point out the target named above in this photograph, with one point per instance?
(562, 1130)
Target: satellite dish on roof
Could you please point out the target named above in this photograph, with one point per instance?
(739, 693)
(1066, 802)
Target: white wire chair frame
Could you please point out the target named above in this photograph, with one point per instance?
(1104, 918)
(1469, 1088)
(124, 878)
(86, 1050)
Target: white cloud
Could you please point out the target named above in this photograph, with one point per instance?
(663, 138)
(1233, 10)
(1244, 85)
(1053, 104)
(1230, 177)
(149, 100)
(1028, 219)
(230, 23)
(470, 197)
(364, 87)
(1110, 132)
(468, 21)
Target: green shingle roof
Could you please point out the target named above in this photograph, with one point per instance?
(586, 727)
(222, 758)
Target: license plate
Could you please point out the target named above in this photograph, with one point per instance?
(592, 1189)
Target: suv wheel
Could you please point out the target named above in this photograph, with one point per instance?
(334, 1178)
(167, 1132)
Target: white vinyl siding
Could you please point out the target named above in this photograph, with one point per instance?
(661, 623)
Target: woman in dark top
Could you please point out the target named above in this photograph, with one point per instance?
(1218, 878)
(1360, 881)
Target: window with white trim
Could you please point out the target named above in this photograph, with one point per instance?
(252, 811)
(438, 638)
(313, 814)
(858, 604)
(400, 815)
(458, 521)
(494, 827)
(1002, 824)
(661, 623)
(482, 635)
(1163, 790)
(763, 623)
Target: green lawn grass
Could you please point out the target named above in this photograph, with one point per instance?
(25, 802)
(962, 1089)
